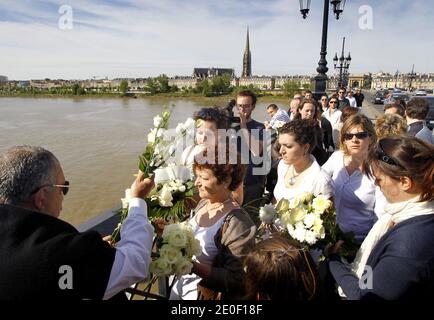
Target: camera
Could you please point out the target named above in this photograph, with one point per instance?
(230, 112)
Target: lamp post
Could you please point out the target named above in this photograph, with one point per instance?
(338, 8)
(344, 64)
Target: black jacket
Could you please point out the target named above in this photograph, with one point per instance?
(35, 246)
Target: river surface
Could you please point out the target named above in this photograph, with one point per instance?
(96, 140)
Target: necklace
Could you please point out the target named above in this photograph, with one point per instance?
(292, 180)
(216, 206)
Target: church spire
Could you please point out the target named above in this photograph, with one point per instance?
(247, 59)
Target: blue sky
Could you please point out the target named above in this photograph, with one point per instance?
(140, 38)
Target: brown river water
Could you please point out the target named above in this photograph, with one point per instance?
(97, 140)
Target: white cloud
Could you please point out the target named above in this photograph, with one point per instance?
(173, 37)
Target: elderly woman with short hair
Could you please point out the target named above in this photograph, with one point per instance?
(224, 229)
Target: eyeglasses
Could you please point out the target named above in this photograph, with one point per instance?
(359, 135)
(64, 187)
(382, 156)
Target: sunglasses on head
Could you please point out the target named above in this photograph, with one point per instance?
(359, 135)
(382, 156)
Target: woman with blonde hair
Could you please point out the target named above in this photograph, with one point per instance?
(396, 260)
(390, 125)
(277, 269)
(356, 199)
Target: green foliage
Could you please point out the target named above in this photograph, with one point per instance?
(250, 87)
(221, 85)
(291, 87)
(123, 87)
(75, 88)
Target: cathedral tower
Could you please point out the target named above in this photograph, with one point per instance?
(247, 59)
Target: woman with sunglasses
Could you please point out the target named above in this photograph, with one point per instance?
(333, 115)
(356, 198)
(396, 260)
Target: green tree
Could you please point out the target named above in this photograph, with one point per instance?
(291, 87)
(163, 83)
(81, 91)
(203, 87)
(151, 86)
(123, 87)
(221, 84)
(75, 89)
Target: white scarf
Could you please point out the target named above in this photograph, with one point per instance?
(394, 213)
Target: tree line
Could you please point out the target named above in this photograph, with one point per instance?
(215, 86)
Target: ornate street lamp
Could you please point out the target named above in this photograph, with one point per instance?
(338, 7)
(344, 64)
(304, 7)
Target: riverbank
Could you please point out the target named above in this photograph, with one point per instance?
(188, 97)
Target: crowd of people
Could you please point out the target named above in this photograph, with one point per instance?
(379, 177)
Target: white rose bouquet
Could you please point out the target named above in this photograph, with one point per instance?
(307, 219)
(171, 200)
(177, 249)
(278, 125)
(160, 148)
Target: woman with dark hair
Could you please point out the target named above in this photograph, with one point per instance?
(277, 269)
(396, 260)
(333, 115)
(209, 121)
(309, 109)
(298, 171)
(356, 199)
(225, 230)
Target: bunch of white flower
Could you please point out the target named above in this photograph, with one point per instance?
(125, 201)
(178, 249)
(278, 124)
(303, 217)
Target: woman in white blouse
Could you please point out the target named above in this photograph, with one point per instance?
(298, 171)
(333, 115)
(357, 200)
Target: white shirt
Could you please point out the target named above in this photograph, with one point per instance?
(133, 251)
(281, 115)
(353, 102)
(357, 200)
(335, 121)
(315, 181)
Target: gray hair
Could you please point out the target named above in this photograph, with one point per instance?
(23, 170)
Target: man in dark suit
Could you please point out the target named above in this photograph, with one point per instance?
(43, 257)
